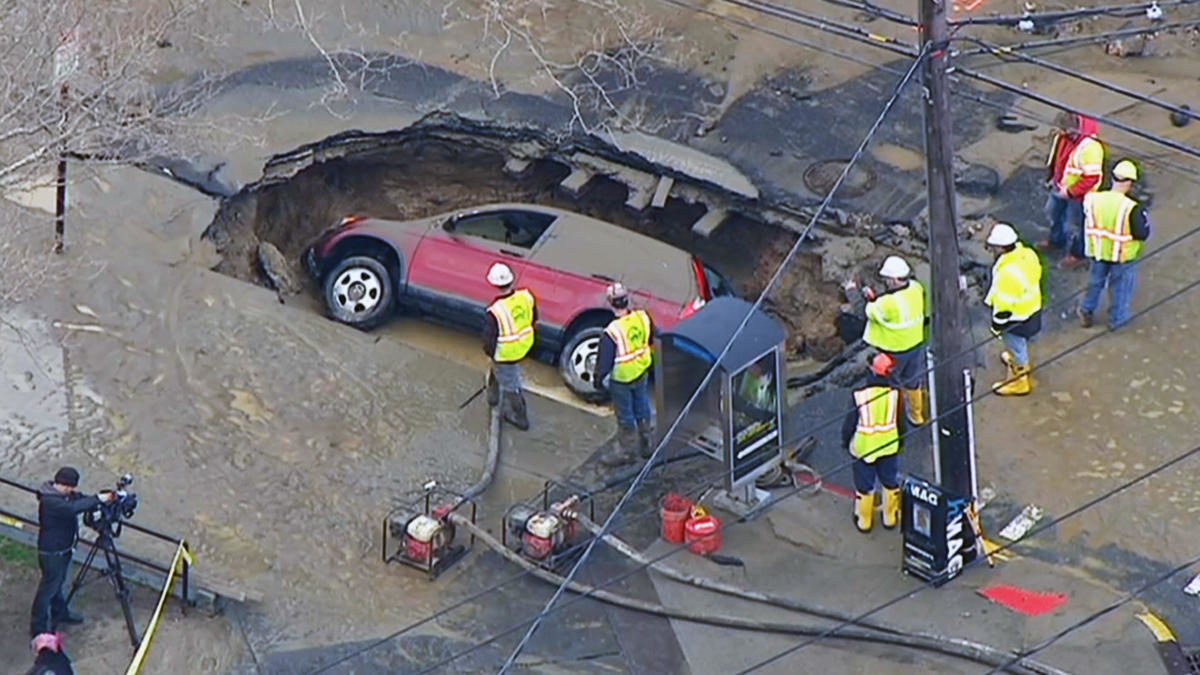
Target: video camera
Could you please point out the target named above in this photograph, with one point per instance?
(107, 517)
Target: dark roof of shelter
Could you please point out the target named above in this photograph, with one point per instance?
(712, 327)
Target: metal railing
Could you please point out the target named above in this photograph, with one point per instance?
(165, 570)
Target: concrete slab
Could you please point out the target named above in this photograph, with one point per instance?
(709, 222)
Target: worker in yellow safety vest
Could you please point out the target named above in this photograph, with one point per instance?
(508, 336)
(896, 320)
(1074, 169)
(1116, 228)
(623, 366)
(872, 431)
(1015, 297)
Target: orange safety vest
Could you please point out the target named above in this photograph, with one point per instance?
(631, 335)
(514, 318)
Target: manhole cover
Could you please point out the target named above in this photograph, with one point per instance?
(820, 177)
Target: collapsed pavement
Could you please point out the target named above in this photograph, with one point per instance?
(693, 201)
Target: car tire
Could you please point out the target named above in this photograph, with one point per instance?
(359, 291)
(577, 363)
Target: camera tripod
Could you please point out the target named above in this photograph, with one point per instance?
(112, 570)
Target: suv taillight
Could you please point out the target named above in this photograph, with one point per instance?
(692, 307)
(701, 281)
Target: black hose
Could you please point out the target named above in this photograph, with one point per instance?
(805, 380)
(794, 605)
(493, 458)
(978, 654)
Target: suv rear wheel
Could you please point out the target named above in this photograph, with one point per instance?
(359, 291)
(577, 363)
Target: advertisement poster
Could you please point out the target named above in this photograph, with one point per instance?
(756, 433)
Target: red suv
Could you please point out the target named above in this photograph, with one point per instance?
(438, 265)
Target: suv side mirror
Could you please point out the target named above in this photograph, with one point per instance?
(450, 223)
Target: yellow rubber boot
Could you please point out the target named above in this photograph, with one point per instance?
(891, 507)
(1019, 383)
(864, 511)
(914, 405)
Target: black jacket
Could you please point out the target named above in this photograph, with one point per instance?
(50, 662)
(58, 517)
(607, 354)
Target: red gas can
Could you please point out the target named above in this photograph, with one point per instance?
(675, 512)
(703, 534)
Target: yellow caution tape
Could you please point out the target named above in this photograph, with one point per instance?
(181, 555)
(1160, 629)
(12, 522)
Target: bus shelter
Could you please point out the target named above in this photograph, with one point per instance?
(737, 418)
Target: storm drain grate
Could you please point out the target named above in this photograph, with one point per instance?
(1193, 661)
(820, 176)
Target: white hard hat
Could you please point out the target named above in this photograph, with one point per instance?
(500, 275)
(1002, 234)
(894, 267)
(617, 294)
(1125, 170)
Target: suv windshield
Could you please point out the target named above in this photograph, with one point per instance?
(717, 285)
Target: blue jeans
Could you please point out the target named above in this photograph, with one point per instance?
(886, 469)
(909, 372)
(1017, 346)
(1066, 223)
(1121, 279)
(631, 402)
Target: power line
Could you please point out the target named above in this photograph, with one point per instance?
(801, 43)
(1087, 505)
(1096, 615)
(1006, 54)
(1066, 15)
(1083, 39)
(706, 480)
(879, 41)
(903, 49)
(717, 361)
(798, 490)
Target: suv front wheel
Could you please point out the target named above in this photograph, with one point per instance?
(359, 291)
(577, 364)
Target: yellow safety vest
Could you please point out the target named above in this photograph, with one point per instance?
(514, 316)
(877, 434)
(896, 320)
(631, 335)
(1087, 159)
(1016, 285)
(1106, 230)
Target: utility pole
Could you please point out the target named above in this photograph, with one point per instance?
(951, 336)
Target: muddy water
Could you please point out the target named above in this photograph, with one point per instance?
(273, 439)
(33, 394)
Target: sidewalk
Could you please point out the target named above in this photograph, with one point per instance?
(807, 548)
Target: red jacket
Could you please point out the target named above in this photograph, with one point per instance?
(1060, 155)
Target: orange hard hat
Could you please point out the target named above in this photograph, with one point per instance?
(882, 364)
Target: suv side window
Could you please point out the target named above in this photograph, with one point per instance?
(526, 227)
(514, 228)
(488, 226)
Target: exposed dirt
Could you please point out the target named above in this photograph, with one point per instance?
(425, 177)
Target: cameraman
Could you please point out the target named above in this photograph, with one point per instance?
(59, 506)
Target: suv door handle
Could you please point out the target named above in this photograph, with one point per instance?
(512, 253)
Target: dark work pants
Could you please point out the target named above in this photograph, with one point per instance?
(885, 469)
(50, 604)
